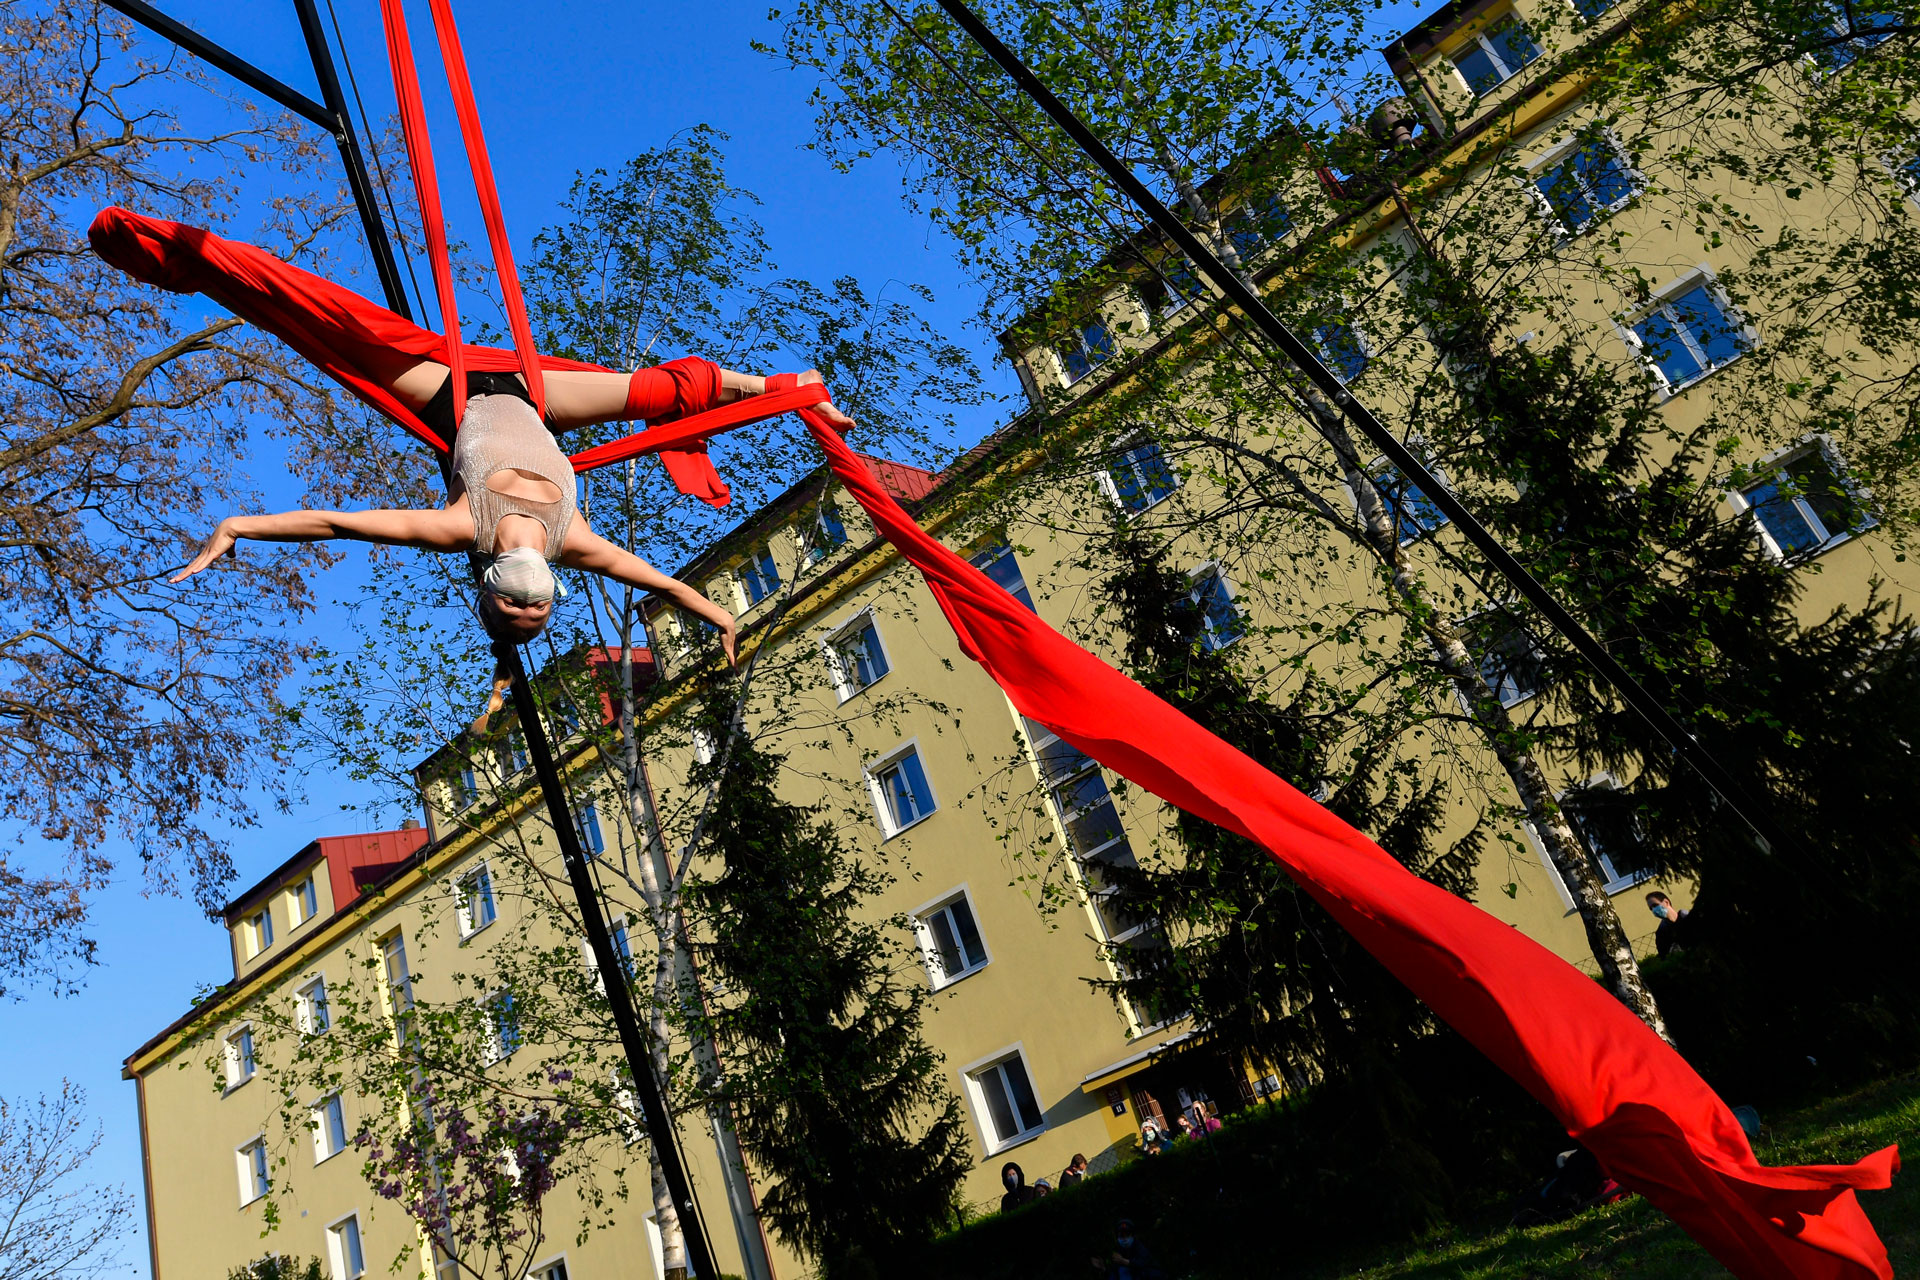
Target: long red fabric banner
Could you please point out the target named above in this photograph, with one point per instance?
(1619, 1089)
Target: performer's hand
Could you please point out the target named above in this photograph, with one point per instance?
(219, 544)
(825, 409)
(730, 640)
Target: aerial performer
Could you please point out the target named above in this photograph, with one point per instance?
(511, 497)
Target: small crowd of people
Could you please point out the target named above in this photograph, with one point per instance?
(1019, 1193)
(1194, 1122)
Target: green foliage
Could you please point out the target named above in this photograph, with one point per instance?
(278, 1267)
(836, 1096)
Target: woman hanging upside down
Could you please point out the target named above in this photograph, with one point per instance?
(512, 492)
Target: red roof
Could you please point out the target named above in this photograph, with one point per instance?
(354, 862)
(906, 482)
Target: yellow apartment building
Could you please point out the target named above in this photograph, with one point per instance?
(986, 824)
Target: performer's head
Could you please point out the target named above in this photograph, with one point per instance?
(517, 600)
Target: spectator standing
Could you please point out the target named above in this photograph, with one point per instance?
(1670, 935)
(1130, 1259)
(1015, 1181)
(1074, 1172)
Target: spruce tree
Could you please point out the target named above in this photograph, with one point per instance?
(1795, 955)
(837, 1098)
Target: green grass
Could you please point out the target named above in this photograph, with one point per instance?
(1633, 1239)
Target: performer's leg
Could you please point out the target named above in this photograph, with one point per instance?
(676, 389)
(370, 350)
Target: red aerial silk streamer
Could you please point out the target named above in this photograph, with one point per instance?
(1618, 1088)
(463, 105)
(363, 346)
(413, 127)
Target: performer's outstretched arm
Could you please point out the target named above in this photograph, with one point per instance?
(443, 530)
(588, 550)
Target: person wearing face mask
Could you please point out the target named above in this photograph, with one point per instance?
(1670, 934)
(1130, 1259)
(1015, 1181)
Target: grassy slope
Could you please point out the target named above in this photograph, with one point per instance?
(1632, 1239)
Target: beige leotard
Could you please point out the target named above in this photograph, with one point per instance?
(502, 433)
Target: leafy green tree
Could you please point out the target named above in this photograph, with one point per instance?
(836, 1094)
(282, 1266)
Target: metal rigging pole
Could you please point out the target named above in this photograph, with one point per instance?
(334, 118)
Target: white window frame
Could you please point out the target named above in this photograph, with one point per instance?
(705, 748)
(545, 1269)
(1776, 462)
(592, 830)
(1486, 46)
(336, 1247)
(883, 812)
(1079, 333)
(1615, 886)
(1564, 150)
(1378, 469)
(257, 929)
(305, 1005)
(463, 899)
(238, 1068)
(1367, 350)
(930, 951)
(810, 534)
(323, 1148)
(1701, 274)
(298, 896)
(250, 1177)
(1466, 626)
(977, 1102)
(1212, 571)
(843, 686)
(1111, 487)
(740, 571)
(498, 1050)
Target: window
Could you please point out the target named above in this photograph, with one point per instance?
(1220, 620)
(1689, 335)
(592, 839)
(1593, 8)
(503, 1027)
(1085, 349)
(513, 753)
(476, 900)
(1495, 56)
(997, 562)
(1004, 1101)
(1256, 225)
(255, 1178)
(855, 656)
(343, 1245)
(950, 940)
(827, 533)
(901, 791)
(693, 629)
(1139, 476)
(1582, 186)
(236, 1055)
(304, 901)
(758, 576)
(1342, 347)
(463, 788)
(329, 1128)
(1508, 660)
(1170, 288)
(1842, 32)
(1413, 514)
(1804, 504)
(257, 930)
(310, 1008)
(706, 748)
(1909, 175)
(1603, 816)
(556, 1270)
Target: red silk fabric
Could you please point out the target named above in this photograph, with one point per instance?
(1618, 1088)
(364, 347)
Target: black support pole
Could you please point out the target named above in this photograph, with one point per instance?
(334, 118)
(612, 967)
(1308, 362)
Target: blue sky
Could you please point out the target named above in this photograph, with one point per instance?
(564, 85)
